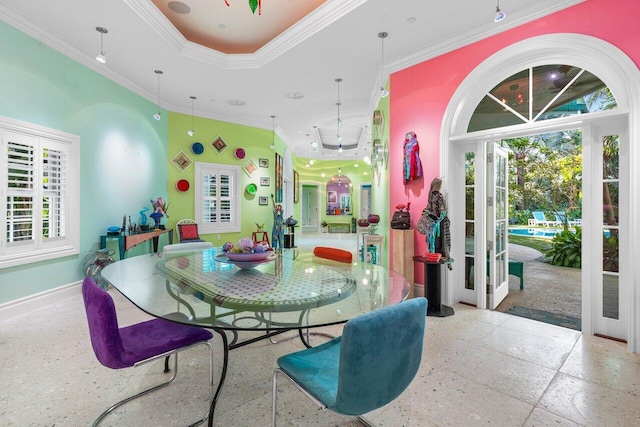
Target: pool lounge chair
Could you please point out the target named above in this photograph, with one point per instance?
(560, 218)
(539, 219)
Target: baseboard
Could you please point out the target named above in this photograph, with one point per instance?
(25, 305)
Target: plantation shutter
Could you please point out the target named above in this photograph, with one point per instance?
(40, 198)
(218, 204)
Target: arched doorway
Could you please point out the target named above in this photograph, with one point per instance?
(621, 76)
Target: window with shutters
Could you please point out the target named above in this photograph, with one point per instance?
(217, 202)
(39, 184)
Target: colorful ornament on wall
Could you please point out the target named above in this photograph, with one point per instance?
(240, 153)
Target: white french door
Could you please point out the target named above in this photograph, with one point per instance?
(479, 206)
(606, 245)
(497, 225)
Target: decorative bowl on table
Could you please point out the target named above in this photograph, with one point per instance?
(245, 260)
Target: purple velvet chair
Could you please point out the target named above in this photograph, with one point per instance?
(133, 345)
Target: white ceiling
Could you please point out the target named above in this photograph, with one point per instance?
(337, 40)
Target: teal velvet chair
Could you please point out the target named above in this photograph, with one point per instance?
(371, 364)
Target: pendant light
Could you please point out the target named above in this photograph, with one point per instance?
(157, 115)
(308, 165)
(383, 92)
(340, 122)
(273, 132)
(101, 58)
(500, 15)
(193, 101)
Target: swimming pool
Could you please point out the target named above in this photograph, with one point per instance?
(547, 233)
(535, 232)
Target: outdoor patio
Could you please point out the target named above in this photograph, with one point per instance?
(554, 291)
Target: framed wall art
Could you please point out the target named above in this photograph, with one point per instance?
(264, 163)
(218, 144)
(250, 168)
(296, 186)
(263, 200)
(265, 181)
(279, 177)
(181, 161)
(332, 197)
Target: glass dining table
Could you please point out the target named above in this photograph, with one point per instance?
(247, 302)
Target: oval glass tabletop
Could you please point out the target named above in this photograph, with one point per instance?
(294, 289)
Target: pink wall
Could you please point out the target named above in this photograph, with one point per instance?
(420, 94)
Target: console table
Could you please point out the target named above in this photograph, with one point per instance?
(432, 285)
(127, 241)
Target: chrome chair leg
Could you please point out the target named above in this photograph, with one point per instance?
(164, 384)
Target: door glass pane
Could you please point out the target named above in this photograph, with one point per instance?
(469, 282)
(610, 250)
(500, 269)
(610, 157)
(610, 203)
(500, 237)
(469, 237)
(610, 296)
(501, 171)
(469, 169)
(469, 206)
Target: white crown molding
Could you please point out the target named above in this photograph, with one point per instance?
(535, 11)
(26, 26)
(296, 34)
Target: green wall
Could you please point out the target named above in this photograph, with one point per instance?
(123, 149)
(256, 143)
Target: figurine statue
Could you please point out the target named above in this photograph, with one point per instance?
(277, 233)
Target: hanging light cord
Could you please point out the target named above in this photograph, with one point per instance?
(193, 102)
(273, 132)
(383, 91)
(338, 80)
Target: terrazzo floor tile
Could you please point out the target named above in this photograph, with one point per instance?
(448, 399)
(531, 348)
(506, 374)
(590, 404)
(611, 365)
(541, 418)
(543, 330)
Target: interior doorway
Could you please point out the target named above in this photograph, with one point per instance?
(310, 213)
(545, 228)
(365, 200)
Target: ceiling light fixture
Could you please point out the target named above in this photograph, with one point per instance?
(500, 15)
(340, 122)
(193, 102)
(383, 92)
(157, 115)
(101, 58)
(273, 132)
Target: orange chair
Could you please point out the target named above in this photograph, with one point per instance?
(334, 254)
